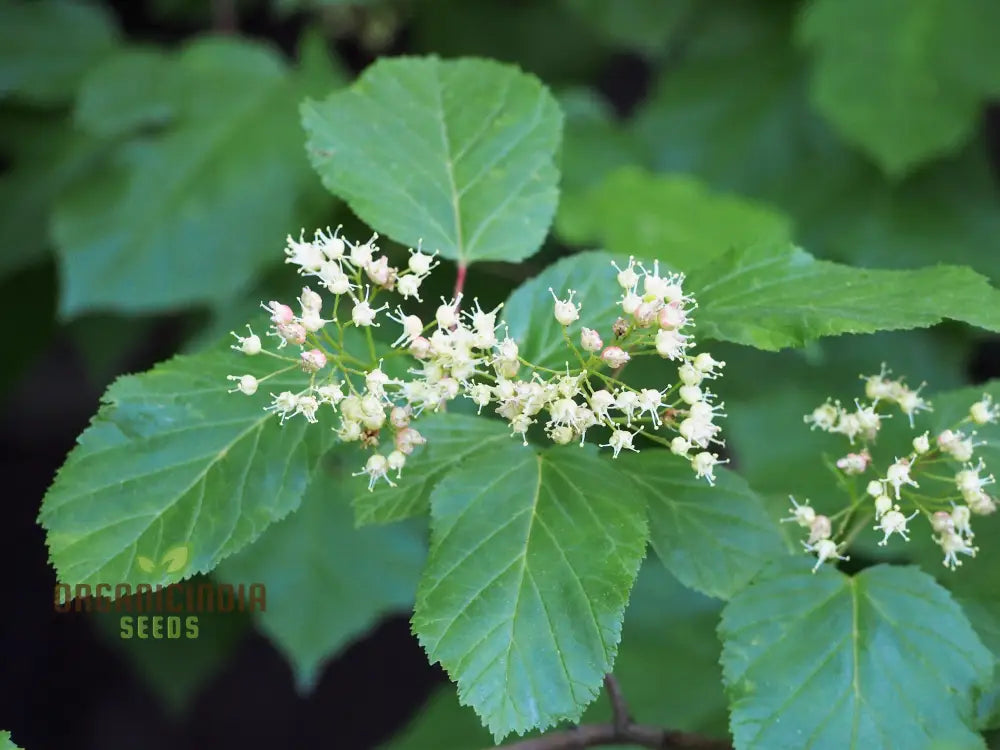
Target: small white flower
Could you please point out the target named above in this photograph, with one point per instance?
(672, 316)
(704, 464)
(407, 439)
(620, 440)
(825, 549)
(894, 522)
(627, 402)
(249, 345)
(941, 522)
(364, 314)
(877, 388)
(381, 273)
(361, 255)
(376, 467)
(330, 244)
(824, 416)
(706, 364)
(600, 402)
(651, 400)
(331, 393)
(680, 447)
(883, 504)
(690, 394)
(921, 444)
(961, 517)
(630, 303)
(952, 544)
(803, 514)
(564, 310)
(671, 344)
(898, 474)
(627, 277)
(307, 405)
(396, 461)
(689, 374)
(306, 255)
(246, 384)
(409, 286)
(421, 263)
(447, 313)
(309, 300)
(874, 488)
(984, 411)
(911, 402)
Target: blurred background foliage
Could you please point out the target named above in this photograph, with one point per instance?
(152, 162)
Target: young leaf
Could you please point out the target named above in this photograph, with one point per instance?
(171, 460)
(774, 296)
(47, 47)
(451, 439)
(532, 559)
(885, 659)
(458, 153)
(345, 578)
(528, 310)
(174, 204)
(908, 80)
(674, 218)
(714, 539)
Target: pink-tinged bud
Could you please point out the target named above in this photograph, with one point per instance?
(590, 340)
(672, 316)
(420, 347)
(313, 360)
(941, 522)
(407, 439)
(294, 333)
(614, 356)
(819, 528)
(645, 314)
(381, 273)
(399, 417)
(280, 314)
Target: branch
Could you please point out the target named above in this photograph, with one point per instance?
(595, 735)
(621, 730)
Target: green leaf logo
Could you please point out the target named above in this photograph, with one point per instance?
(174, 560)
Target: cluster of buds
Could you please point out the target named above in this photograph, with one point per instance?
(820, 530)
(459, 353)
(948, 502)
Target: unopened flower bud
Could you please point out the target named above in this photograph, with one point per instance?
(399, 417)
(294, 333)
(313, 360)
(245, 384)
(615, 357)
(883, 504)
(690, 394)
(679, 446)
(590, 340)
(921, 444)
(310, 300)
(819, 528)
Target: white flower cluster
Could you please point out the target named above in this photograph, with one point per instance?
(948, 502)
(460, 353)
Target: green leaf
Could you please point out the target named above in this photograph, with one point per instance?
(451, 439)
(532, 559)
(348, 578)
(975, 585)
(174, 204)
(47, 47)
(110, 103)
(528, 310)
(173, 460)
(45, 156)
(673, 218)
(762, 140)
(885, 659)
(6, 743)
(459, 154)
(714, 539)
(903, 79)
(669, 631)
(774, 296)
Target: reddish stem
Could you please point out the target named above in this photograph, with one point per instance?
(459, 280)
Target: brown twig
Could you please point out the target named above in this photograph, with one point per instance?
(621, 731)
